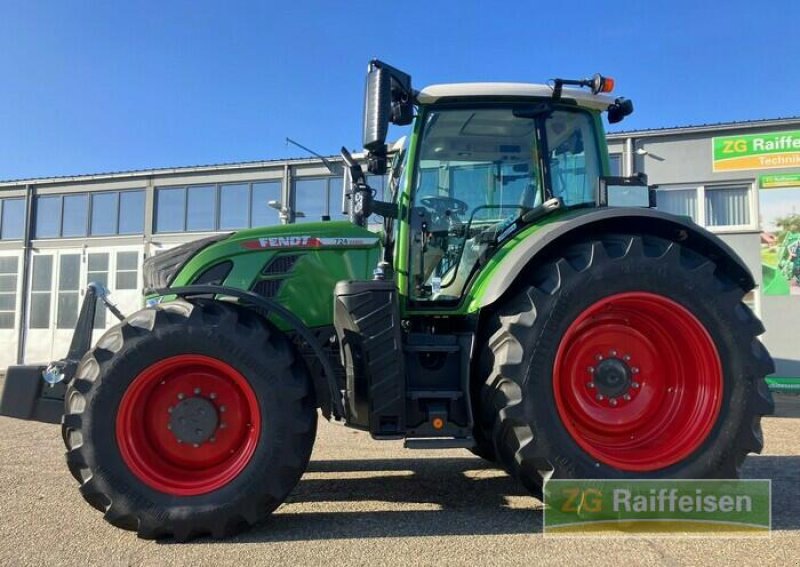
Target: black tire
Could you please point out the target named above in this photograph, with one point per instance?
(224, 332)
(518, 410)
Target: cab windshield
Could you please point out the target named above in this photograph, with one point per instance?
(479, 170)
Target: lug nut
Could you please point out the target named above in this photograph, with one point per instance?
(169, 426)
(599, 397)
(222, 408)
(222, 425)
(626, 357)
(626, 397)
(197, 391)
(170, 409)
(213, 396)
(181, 396)
(590, 370)
(590, 384)
(634, 384)
(213, 439)
(612, 353)
(612, 401)
(195, 445)
(599, 357)
(635, 370)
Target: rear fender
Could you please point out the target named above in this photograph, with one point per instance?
(561, 233)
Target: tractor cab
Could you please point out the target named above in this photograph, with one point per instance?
(484, 161)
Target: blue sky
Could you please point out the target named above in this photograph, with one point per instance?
(93, 87)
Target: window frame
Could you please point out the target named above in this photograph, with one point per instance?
(13, 293)
(326, 210)
(88, 213)
(700, 195)
(126, 271)
(3, 202)
(218, 190)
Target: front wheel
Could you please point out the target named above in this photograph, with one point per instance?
(628, 356)
(189, 419)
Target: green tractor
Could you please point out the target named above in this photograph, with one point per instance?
(519, 302)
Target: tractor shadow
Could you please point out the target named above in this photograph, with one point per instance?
(354, 499)
(379, 498)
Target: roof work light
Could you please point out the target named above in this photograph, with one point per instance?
(598, 84)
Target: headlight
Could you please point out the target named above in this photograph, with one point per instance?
(158, 271)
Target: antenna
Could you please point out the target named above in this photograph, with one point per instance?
(334, 169)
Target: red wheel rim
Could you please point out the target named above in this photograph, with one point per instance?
(638, 381)
(154, 446)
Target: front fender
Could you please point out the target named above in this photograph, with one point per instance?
(577, 224)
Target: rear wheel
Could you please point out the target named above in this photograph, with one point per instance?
(189, 419)
(628, 356)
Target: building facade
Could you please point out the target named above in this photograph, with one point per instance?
(739, 180)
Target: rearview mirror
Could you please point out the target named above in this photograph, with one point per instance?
(387, 98)
(377, 105)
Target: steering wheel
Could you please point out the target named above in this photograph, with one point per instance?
(443, 204)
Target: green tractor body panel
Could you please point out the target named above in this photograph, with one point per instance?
(317, 256)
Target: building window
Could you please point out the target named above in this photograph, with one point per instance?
(615, 165)
(103, 213)
(41, 288)
(171, 210)
(313, 197)
(48, 216)
(727, 206)
(127, 270)
(12, 219)
(69, 271)
(712, 206)
(681, 202)
(9, 266)
(201, 208)
(261, 213)
(131, 212)
(234, 206)
(207, 208)
(74, 220)
(97, 271)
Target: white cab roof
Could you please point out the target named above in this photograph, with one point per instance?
(581, 96)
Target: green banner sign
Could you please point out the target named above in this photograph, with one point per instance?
(663, 506)
(756, 151)
(779, 181)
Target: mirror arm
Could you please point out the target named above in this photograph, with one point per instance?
(385, 209)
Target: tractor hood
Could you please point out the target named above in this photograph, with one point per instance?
(314, 235)
(297, 265)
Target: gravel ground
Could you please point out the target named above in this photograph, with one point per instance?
(377, 503)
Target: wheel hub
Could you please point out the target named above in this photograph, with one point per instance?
(193, 420)
(612, 377)
(188, 424)
(637, 381)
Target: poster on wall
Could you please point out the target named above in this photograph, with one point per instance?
(779, 199)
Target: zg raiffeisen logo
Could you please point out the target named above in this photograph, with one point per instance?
(678, 507)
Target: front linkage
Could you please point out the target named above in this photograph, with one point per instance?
(37, 392)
